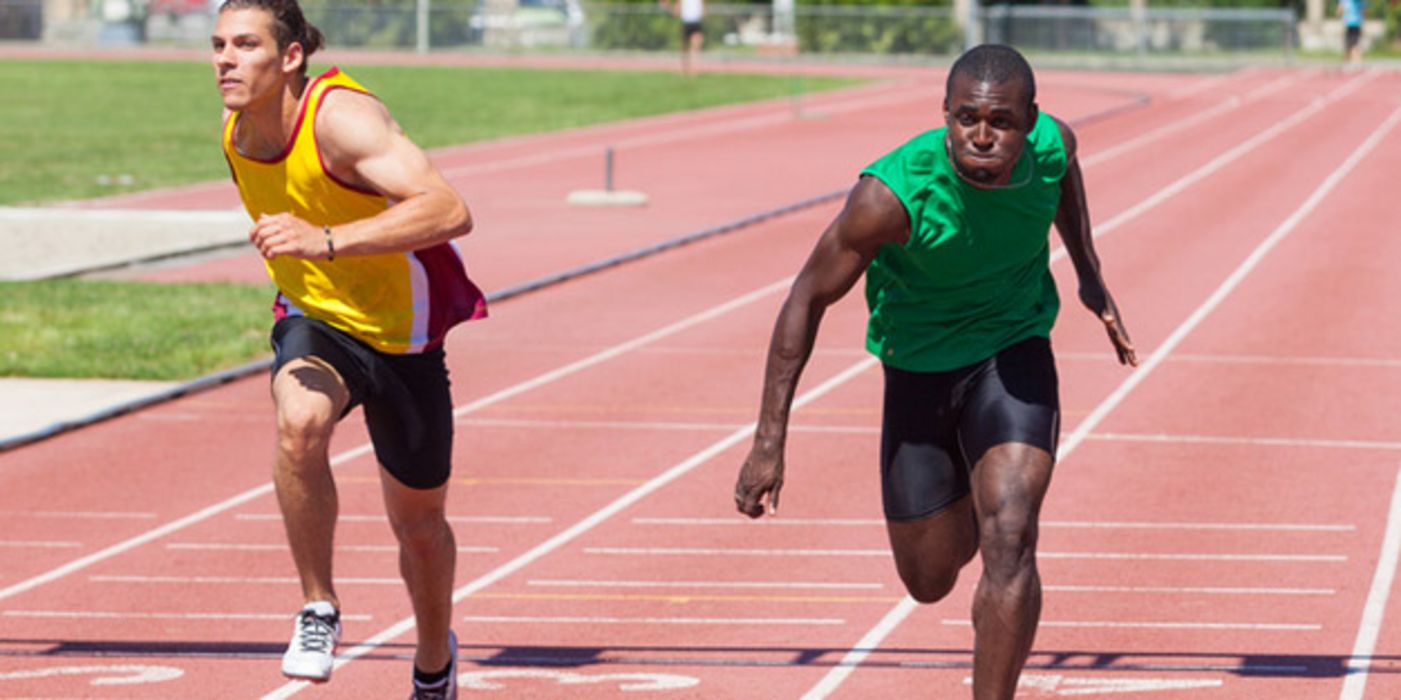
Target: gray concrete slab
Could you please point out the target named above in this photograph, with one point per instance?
(32, 405)
(57, 241)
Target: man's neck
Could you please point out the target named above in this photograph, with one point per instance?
(264, 129)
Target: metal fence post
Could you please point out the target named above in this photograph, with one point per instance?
(422, 25)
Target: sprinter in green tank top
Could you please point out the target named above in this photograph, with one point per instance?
(951, 232)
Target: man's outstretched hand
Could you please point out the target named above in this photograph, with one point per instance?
(1096, 298)
(760, 480)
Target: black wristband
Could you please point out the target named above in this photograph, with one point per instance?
(330, 244)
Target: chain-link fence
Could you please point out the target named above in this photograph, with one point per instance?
(1122, 31)
(738, 30)
(21, 19)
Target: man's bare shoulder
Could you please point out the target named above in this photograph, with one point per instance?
(353, 124)
(1067, 136)
(873, 215)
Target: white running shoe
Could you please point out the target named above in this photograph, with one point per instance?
(447, 690)
(312, 652)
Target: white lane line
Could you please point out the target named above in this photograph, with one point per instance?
(1249, 442)
(129, 615)
(1261, 360)
(1231, 103)
(862, 649)
(853, 658)
(241, 580)
(588, 523)
(1288, 360)
(785, 585)
(1052, 524)
(39, 544)
(1209, 83)
(472, 519)
(282, 547)
(733, 552)
(1120, 667)
(1144, 625)
(1218, 163)
(658, 138)
(1375, 609)
(766, 522)
(683, 426)
(365, 448)
(734, 621)
(1188, 590)
(1147, 525)
(652, 425)
(1108, 556)
(1140, 556)
(79, 515)
(830, 585)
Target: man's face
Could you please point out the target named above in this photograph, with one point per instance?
(988, 124)
(247, 64)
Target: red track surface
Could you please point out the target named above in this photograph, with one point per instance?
(1214, 529)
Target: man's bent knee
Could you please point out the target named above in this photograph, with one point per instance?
(930, 552)
(927, 586)
(309, 397)
(303, 431)
(422, 535)
(1008, 554)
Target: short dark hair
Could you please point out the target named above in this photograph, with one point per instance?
(994, 63)
(289, 24)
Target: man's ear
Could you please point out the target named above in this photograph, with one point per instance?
(948, 118)
(293, 58)
(1032, 113)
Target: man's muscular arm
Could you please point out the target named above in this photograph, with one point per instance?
(1073, 224)
(363, 146)
(873, 217)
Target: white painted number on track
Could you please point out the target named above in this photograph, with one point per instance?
(1046, 685)
(119, 674)
(485, 680)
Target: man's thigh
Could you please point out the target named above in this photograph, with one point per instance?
(409, 416)
(1014, 399)
(313, 371)
(922, 468)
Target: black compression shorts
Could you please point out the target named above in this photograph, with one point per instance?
(408, 408)
(937, 425)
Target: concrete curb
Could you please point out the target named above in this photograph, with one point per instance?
(57, 242)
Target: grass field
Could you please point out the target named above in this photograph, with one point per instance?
(80, 129)
(129, 330)
(66, 127)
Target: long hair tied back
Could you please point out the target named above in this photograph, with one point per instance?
(289, 24)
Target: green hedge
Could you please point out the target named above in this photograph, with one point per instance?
(902, 28)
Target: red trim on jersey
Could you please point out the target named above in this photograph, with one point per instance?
(296, 128)
(452, 297)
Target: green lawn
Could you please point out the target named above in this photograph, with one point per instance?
(130, 330)
(68, 127)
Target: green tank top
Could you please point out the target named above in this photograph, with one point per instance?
(975, 277)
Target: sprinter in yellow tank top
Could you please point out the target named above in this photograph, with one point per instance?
(355, 226)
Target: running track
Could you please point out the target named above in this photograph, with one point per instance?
(1224, 524)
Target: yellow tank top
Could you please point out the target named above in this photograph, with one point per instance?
(394, 302)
